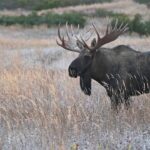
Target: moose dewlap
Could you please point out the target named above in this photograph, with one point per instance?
(122, 71)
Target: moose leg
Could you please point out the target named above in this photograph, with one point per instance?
(113, 103)
(127, 100)
(116, 102)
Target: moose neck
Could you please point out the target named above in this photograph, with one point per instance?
(99, 65)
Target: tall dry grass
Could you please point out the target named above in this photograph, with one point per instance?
(45, 109)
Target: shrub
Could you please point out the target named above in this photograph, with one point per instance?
(105, 13)
(135, 25)
(121, 19)
(147, 26)
(147, 2)
(49, 19)
(44, 4)
(71, 18)
(142, 1)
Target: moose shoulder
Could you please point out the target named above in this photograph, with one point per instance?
(123, 72)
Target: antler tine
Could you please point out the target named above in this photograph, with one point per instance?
(126, 28)
(123, 27)
(110, 29)
(60, 38)
(78, 29)
(88, 30)
(85, 44)
(91, 33)
(59, 32)
(116, 24)
(98, 36)
(64, 43)
(67, 31)
(60, 44)
(107, 29)
(71, 27)
(120, 27)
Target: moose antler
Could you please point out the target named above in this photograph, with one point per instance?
(112, 33)
(70, 42)
(66, 44)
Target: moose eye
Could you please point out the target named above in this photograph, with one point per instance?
(86, 57)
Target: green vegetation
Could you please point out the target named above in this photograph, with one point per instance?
(44, 4)
(49, 19)
(135, 25)
(147, 2)
(142, 1)
(58, 3)
(105, 13)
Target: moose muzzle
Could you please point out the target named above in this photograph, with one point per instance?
(72, 72)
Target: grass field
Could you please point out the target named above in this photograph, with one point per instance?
(42, 108)
(38, 113)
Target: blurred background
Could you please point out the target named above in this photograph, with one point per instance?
(31, 25)
(41, 107)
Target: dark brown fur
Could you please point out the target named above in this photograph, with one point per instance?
(123, 72)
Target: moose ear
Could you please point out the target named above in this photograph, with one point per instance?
(93, 43)
(80, 45)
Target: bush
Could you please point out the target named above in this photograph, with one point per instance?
(104, 13)
(48, 19)
(147, 2)
(71, 18)
(142, 1)
(135, 25)
(44, 4)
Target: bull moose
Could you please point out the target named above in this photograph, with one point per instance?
(121, 70)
